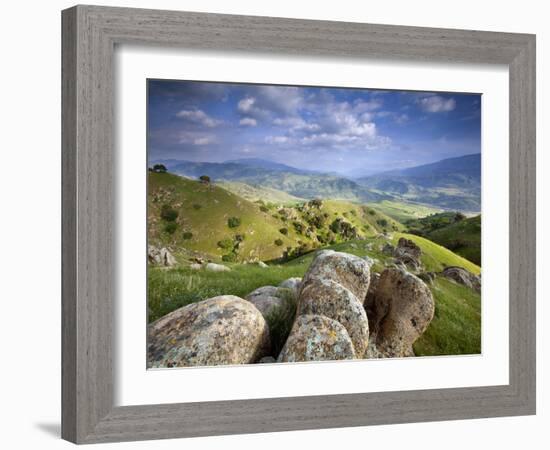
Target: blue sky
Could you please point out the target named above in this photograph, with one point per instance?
(350, 131)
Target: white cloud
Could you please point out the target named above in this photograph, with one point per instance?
(248, 121)
(246, 104)
(196, 138)
(198, 116)
(436, 104)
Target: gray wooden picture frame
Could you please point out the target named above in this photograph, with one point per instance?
(90, 34)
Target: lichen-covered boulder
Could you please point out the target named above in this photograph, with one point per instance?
(220, 330)
(317, 338)
(292, 284)
(403, 307)
(462, 276)
(327, 298)
(348, 270)
(266, 299)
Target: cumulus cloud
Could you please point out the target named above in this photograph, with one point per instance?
(436, 104)
(198, 116)
(248, 122)
(246, 104)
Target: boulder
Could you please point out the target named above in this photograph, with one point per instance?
(317, 338)
(328, 298)
(266, 299)
(292, 283)
(402, 309)
(212, 267)
(407, 247)
(195, 266)
(462, 276)
(217, 331)
(350, 271)
(408, 253)
(160, 256)
(262, 265)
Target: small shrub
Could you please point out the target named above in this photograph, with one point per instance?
(230, 257)
(159, 168)
(205, 179)
(170, 227)
(382, 222)
(239, 237)
(187, 235)
(226, 244)
(233, 222)
(168, 213)
(298, 227)
(264, 208)
(197, 206)
(283, 231)
(372, 212)
(278, 242)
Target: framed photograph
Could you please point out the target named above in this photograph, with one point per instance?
(267, 222)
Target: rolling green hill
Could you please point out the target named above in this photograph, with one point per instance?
(452, 230)
(208, 221)
(404, 211)
(463, 238)
(255, 193)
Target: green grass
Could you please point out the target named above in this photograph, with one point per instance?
(456, 326)
(403, 211)
(454, 330)
(170, 289)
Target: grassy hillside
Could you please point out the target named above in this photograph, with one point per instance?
(403, 211)
(204, 219)
(455, 328)
(464, 238)
(452, 230)
(254, 193)
(204, 213)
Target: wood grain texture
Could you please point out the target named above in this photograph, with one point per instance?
(89, 36)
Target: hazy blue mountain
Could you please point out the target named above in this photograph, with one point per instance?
(453, 183)
(268, 165)
(296, 182)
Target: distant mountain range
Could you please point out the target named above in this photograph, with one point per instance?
(453, 183)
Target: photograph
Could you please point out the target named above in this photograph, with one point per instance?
(297, 224)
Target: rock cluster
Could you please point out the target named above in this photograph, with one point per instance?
(330, 310)
(343, 311)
